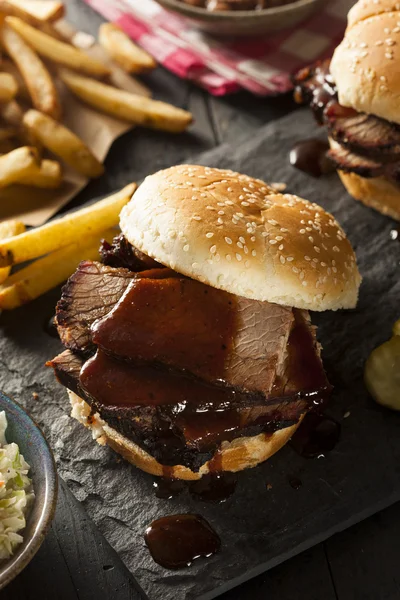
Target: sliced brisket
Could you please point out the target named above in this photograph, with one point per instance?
(89, 294)
(122, 254)
(184, 324)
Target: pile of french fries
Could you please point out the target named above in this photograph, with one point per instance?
(54, 249)
(34, 144)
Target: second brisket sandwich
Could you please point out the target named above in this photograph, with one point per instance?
(190, 348)
(356, 97)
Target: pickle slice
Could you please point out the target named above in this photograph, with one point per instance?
(382, 372)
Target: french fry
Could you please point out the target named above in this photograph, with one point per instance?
(7, 133)
(12, 113)
(46, 273)
(8, 87)
(37, 78)
(123, 51)
(9, 229)
(124, 105)
(22, 92)
(34, 11)
(66, 230)
(47, 175)
(63, 142)
(17, 165)
(57, 51)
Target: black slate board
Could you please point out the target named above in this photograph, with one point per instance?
(259, 527)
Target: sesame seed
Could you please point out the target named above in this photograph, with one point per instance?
(302, 231)
(213, 249)
(228, 257)
(304, 283)
(228, 240)
(273, 242)
(228, 202)
(390, 42)
(318, 250)
(221, 212)
(209, 234)
(194, 198)
(220, 221)
(238, 257)
(196, 218)
(272, 222)
(387, 30)
(241, 239)
(279, 238)
(210, 207)
(289, 258)
(388, 55)
(282, 259)
(335, 249)
(280, 247)
(323, 264)
(245, 203)
(379, 43)
(265, 234)
(195, 265)
(229, 189)
(301, 275)
(315, 260)
(310, 237)
(253, 253)
(253, 238)
(186, 248)
(307, 258)
(295, 270)
(239, 244)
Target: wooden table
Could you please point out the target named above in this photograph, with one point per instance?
(75, 561)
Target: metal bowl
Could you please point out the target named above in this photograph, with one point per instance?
(245, 22)
(26, 433)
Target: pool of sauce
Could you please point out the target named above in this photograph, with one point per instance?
(167, 488)
(176, 541)
(50, 327)
(310, 156)
(317, 435)
(214, 488)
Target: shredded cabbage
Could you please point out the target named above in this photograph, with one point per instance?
(16, 493)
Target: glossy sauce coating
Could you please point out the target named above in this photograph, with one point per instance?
(177, 540)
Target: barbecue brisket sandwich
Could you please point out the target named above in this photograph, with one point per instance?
(356, 97)
(189, 348)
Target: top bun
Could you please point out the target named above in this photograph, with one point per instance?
(365, 66)
(237, 234)
(368, 8)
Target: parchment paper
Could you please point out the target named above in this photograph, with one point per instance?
(35, 206)
(259, 527)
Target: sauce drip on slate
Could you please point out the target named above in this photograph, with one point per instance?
(177, 540)
(316, 435)
(311, 157)
(295, 483)
(214, 487)
(50, 327)
(167, 488)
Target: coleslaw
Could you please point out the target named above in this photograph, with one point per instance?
(16, 493)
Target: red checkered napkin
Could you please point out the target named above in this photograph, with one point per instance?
(261, 65)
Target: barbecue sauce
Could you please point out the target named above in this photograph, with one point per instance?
(316, 435)
(177, 540)
(310, 156)
(193, 415)
(175, 322)
(50, 327)
(167, 488)
(214, 487)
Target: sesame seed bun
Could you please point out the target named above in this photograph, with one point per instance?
(241, 453)
(376, 192)
(365, 66)
(237, 234)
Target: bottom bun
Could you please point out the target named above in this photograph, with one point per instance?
(241, 453)
(378, 193)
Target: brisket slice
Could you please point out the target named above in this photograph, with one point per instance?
(120, 253)
(186, 325)
(365, 134)
(351, 162)
(89, 294)
(175, 433)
